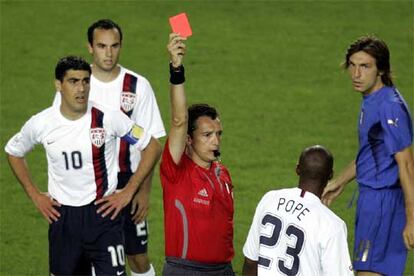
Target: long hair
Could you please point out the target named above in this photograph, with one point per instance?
(376, 48)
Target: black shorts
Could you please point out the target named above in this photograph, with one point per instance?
(82, 238)
(177, 266)
(136, 235)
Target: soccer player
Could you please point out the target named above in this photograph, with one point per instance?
(384, 166)
(292, 232)
(80, 143)
(121, 89)
(197, 188)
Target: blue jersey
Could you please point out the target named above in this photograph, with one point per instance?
(385, 128)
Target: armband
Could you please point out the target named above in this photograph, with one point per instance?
(177, 74)
(133, 136)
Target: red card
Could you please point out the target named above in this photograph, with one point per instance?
(179, 24)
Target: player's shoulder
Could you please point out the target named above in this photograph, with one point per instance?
(391, 96)
(45, 115)
(272, 195)
(140, 78)
(330, 217)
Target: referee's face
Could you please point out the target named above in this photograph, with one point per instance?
(206, 139)
(75, 93)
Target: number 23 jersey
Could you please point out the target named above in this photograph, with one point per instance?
(80, 153)
(293, 233)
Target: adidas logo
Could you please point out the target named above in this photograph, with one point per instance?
(203, 192)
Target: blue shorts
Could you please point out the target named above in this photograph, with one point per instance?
(80, 238)
(136, 235)
(379, 223)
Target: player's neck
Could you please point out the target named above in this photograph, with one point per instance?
(71, 114)
(105, 75)
(313, 187)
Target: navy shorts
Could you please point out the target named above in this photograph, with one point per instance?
(182, 267)
(82, 238)
(379, 223)
(136, 235)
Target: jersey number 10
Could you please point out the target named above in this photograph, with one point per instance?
(291, 230)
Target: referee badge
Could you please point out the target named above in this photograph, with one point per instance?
(97, 136)
(127, 101)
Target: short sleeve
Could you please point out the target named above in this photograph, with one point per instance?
(252, 244)
(335, 257)
(397, 125)
(125, 128)
(23, 141)
(168, 168)
(146, 112)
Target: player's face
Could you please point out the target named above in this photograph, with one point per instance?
(105, 49)
(75, 92)
(364, 73)
(206, 139)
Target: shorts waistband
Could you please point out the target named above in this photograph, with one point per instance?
(196, 265)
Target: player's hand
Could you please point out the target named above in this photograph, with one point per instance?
(331, 191)
(46, 205)
(114, 203)
(140, 206)
(408, 233)
(176, 48)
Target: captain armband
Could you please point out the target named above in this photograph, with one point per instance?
(177, 74)
(133, 136)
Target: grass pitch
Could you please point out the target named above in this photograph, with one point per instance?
(271, 68)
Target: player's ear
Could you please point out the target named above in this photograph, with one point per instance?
(90, 49)
(189, 140)
(297, 169)
(331, 175)
(58, 85)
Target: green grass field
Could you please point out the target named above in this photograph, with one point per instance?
(271, 68)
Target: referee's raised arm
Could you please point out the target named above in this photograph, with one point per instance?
(179, 116)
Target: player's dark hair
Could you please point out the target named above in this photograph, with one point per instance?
(70, 62)
(316, 164)
(197, 110)
(376, 48)
(104, 24)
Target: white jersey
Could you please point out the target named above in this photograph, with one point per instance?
(132, 94)
(80, 153)
(293, 233)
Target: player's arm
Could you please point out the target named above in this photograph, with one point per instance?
(179, 117)
(115, 202)
(405, 162)
(42, 201)
(140, 202)
(337, 185)
(249, 267)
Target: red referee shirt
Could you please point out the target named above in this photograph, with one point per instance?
(198, 210)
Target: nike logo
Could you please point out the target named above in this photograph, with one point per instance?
(50, 142)
(120, 272)
(144, 242)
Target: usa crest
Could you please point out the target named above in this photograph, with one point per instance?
(127, 101)
(97, 136)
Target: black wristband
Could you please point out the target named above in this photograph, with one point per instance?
(177, 74)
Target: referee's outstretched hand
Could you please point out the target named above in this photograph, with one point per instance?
(176, 48)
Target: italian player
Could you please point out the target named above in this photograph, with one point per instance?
(384, 166)
(293, 233)
(80, 205)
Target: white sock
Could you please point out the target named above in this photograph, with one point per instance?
(150, 272)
